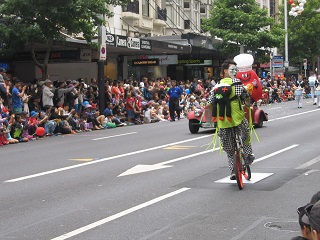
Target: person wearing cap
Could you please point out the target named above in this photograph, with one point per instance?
(304, 225)
(17, 95)
(47, 94)
(91, 117)
(312, 217)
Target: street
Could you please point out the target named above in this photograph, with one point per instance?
(158, 181)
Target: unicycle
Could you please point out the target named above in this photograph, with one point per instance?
(241, 169)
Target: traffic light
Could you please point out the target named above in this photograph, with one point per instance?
(305, 62)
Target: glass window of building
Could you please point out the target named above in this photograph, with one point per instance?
(203, 9)
(186, 24)
(145, 8)
(186, 4)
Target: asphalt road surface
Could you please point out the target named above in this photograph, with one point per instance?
(159, 181)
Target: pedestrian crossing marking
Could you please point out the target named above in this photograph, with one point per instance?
(81, 159)
(178, 147)
(255, 177)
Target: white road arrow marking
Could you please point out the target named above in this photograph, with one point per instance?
(148, 168)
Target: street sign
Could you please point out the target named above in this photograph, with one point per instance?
(277, 61)
(286, 64)
(103, 52)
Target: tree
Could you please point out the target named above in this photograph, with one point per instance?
(303, 33)
(242, 23)
(45, 21)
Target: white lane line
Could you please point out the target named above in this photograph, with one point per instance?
(293, 115)
(308, 164)
(119, 215)
(274, 108)
(275, 153)
(114, 136)
(147, 168)
(103, 159)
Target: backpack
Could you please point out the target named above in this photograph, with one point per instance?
(56, 98)
(222, 98)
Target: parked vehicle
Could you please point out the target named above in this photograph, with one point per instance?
(202, 118)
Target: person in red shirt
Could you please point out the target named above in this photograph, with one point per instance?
(130, 103)
(115, 91)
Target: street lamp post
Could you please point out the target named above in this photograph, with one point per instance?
(286, 62)
(295, 11)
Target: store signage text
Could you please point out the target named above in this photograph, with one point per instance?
(145, 62)
(190, 61)
(145, 44)
(133, 43)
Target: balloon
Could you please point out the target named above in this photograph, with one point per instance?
(40, 131)
(187, 91)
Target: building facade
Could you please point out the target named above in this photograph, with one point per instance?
(149, 38)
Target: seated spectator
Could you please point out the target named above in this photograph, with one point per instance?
(3, 138)
(84, 125)
(147, 114)
(17, 129)
(48, 120)
(155, 113)
(109, 114)
(93, 117)
(6, 130)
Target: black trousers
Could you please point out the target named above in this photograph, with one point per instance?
(174, 107)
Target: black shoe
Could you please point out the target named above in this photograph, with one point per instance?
(249, 159)
(314, 104)
(232, 176)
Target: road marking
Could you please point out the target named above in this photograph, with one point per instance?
(81, 159)
(293, 115)
(147, 168)
(275, 153)
(308, 164)
(95, 139)
(255, 177)
(178, 147)
(274, 108)
(119, 215)
(103, 159)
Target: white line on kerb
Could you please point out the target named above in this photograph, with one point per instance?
(119, 135)
(103, 159)
(118, 215)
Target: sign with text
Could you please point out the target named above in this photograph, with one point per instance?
(121, 41)
(277, 61)
(133, 43)
(145, 44)
(165, 59)
(85, 55)
(145, 62)
(110, 39)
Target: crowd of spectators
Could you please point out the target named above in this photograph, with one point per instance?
(39, 108)
(280, 90)
(44, 108)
